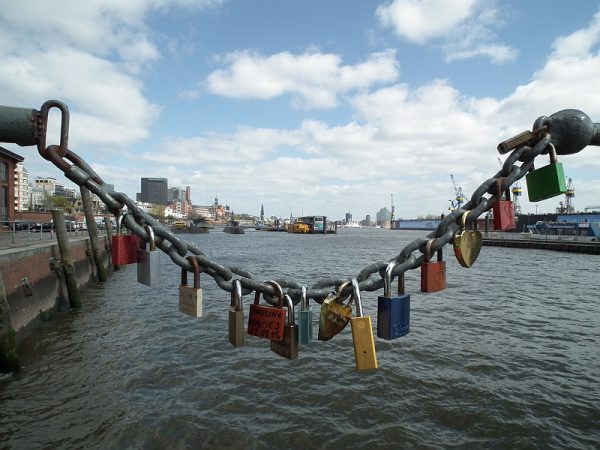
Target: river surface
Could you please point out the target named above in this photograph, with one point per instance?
(507, 356)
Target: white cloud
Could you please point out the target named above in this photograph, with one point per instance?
(465, 26)
(313, 79)
(422, 20)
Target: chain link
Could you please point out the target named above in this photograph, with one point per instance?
(176, 248)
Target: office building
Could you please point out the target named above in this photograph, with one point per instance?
(154, 190)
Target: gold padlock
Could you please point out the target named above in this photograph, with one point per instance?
(362, 334)
(467, 244)
(334, 315)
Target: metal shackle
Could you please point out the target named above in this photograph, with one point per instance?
(356, 297)
(499, 182)
(291, 319)
(196, 267)
(339, 293)
(236, 294)
(427, 253)
(387, 279)
(552, 154)
(119, 224)
(278, 291)
(151, 241)
(303, 299)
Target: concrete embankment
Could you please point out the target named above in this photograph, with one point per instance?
(33, 283)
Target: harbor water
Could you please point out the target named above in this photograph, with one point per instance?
(507, 356)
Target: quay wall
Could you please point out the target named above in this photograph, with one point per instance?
(34, 283)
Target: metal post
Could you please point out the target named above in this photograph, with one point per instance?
(9, 361)
(86, 200)
(65, 255)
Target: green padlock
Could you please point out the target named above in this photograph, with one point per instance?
(547, 182)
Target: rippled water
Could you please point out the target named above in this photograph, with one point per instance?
(506, 357)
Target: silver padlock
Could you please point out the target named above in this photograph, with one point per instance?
(148, 261)
(236, 315)
(190, 297)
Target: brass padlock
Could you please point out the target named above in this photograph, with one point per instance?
(362, 334)
(334, 315)
(190, 297)
(236, 315)
(288, 346)
(467, 244)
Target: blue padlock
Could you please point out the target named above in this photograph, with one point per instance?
(305, 332)
(393, 313)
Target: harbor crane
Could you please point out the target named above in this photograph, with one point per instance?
(459, 198)
(567, 207)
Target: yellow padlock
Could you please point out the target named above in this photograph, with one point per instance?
(362, 335)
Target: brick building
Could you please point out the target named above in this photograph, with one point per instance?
(8, 162)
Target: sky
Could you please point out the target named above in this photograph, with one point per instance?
(307, 107)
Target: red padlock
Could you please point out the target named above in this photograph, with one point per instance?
(503, 210)
(267, 321)
(124, 246)
(433, 274)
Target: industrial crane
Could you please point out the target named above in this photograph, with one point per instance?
(567, 207)
(459, 197)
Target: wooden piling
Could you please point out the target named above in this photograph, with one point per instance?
(9, 361)
(64, 248)
(86, 200)
(109, 231)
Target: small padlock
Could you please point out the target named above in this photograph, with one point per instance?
(267, 321)
(547, 182)
(393, 313)
(236, 315)
(288, 346)
(433, 274)
(190, 297)
(124, 246)
(503, 210)
(467, 243)
(148, 261)
(334, 315)
(362, 334)
(305, 326)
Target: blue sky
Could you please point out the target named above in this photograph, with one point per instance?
(306, 107)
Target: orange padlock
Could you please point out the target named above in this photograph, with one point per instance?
(503, 210)
(433, 274)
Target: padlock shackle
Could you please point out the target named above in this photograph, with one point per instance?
(552, 153)
(278, 291)
(387, 278)
(338, 294)
(499, 182)
(356, 297)
(236, 294)
(119, 224)
(196, 268)
(303, 299)
(151, 238)
(291, 319)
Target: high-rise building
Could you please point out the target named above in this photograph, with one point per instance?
(154, 190)
(175, 194)
(21, 188)
(188, 194)
(348, 217)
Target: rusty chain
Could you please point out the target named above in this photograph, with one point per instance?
(578, 132)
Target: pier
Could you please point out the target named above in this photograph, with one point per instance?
(572, 244)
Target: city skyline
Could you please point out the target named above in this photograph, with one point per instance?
(270, 102)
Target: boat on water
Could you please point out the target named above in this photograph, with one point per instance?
(233, 227)
(299, 228)
(189, 227)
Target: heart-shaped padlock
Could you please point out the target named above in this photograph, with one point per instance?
(467, 244)
(335, 315)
